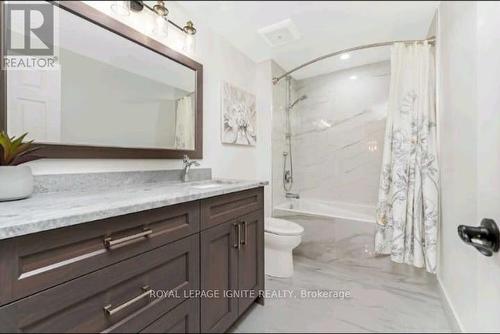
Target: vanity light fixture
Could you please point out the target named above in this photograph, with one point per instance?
(136, 6)
(120, 8)
(161, 24)
(189, 43)
(189, 28)
(160, 9)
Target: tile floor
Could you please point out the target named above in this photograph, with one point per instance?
(336, 256)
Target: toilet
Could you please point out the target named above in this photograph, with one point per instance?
(281, 237)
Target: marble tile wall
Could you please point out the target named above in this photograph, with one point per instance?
(338, 134)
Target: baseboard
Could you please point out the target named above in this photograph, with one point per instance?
(456, 324)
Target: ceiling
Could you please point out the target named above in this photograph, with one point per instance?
(324, 27)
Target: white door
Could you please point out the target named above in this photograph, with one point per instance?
(34, 104)
(488, 158)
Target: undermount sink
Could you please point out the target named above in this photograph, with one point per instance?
(211, 184)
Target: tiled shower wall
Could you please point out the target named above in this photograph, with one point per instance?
(338, 134)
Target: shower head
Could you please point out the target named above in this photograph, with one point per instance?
(302, 98)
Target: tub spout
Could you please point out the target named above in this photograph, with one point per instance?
(292, 195)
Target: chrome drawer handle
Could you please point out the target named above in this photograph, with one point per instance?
(237, 236)
(112, 311)
(245, 230)
(109, 243)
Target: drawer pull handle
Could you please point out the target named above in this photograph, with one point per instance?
(237, 235)
(109, 243)
(245, 230)
(110, 311)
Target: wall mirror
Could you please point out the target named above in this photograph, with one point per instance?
(117, 93)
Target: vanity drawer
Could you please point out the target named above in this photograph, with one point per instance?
(220, 209)
(121, 289)
(185, 318)
(39, 261)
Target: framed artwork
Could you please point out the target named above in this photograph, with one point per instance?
(239, 116)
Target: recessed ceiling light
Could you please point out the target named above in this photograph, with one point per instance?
(353, 77)
(345, 56)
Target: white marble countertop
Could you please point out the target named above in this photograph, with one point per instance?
(46, 211)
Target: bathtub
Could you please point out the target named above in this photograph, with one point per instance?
(311, 207)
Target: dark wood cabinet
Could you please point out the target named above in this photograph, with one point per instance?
(39, 261)
(251, 259)
(114, 299)
(185, 318)
(232, 264)
(219, 274)
(220, 209)
(97, 277)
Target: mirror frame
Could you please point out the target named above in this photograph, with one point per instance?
(93, 15)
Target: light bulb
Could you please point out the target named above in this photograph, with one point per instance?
(189, 43)
(120, 8)
(161, 26)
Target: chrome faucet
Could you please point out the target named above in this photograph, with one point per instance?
(187, 166)
(292, 195)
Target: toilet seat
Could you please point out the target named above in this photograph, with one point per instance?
(282, 227)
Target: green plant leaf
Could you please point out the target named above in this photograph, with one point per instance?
(5, 144)
(24, 158)
(1, 156)
(14, 151)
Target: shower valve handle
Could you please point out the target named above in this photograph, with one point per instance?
(485, 238)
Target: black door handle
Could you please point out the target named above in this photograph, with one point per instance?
(485, 238)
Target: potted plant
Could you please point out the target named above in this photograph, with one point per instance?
(16, 181)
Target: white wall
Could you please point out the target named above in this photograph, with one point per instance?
(469, 127)
(458, 138)
(488, 157)
(221, 61)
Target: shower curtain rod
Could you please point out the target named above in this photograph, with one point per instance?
(430, 40)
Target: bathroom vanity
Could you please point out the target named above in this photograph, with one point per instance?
(122, 252)
(69, 262)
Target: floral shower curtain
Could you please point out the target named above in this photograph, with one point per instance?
(408, 205)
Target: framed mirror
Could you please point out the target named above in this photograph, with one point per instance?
(116, 94)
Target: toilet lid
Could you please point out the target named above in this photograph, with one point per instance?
(282, 227)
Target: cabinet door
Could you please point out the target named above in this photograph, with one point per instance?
(219, 273)
(251, 259)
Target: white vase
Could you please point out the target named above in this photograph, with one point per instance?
(16, 182)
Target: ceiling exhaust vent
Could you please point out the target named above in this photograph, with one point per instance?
(280, 33)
